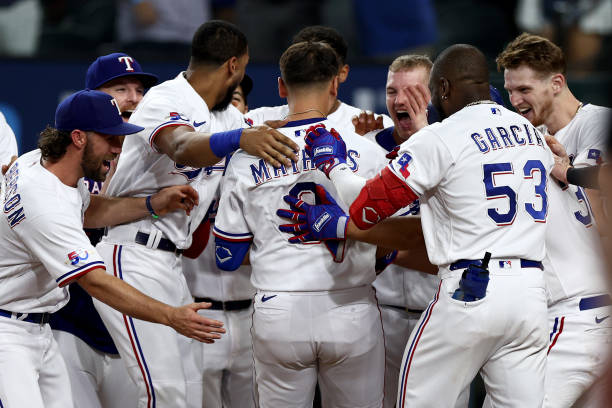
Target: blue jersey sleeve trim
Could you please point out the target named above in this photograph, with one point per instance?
(303, 122)
(228, 236)
(230, 254)
(385, 139)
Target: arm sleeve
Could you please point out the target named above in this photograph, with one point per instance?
(584, 176)
(422, 161)
(232, 235)
(158, 114)
(593, 136)
(60, 244)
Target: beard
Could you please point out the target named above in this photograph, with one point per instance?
(92, 167)
(227, 99)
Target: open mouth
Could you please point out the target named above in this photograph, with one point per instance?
(127, 113)
(524, 111)
(401, 115)
(106, 164)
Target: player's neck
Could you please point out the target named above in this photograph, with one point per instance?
(307, 107)
(564, 108)
(67, 169)
(206, 84)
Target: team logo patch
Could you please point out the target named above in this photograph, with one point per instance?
(177, 116)
(595, 154)
(77, 256)
(404, 162)
(323, 150)
(248, 121)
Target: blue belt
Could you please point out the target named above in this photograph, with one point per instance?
(594, 301)
(464, 263)
(40, 318)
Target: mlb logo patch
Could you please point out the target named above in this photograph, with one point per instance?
(404, 162)
(505, 264)
(77, 256)
(496, 111)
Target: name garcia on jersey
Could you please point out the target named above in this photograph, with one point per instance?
(262, 172)
(12, 200)
(502, 138)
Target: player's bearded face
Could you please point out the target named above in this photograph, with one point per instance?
(95, 166)
(227, 99)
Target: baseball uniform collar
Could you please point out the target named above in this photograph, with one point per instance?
(303, 122)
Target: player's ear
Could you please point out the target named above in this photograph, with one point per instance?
(333, 86)
(282, 88)
(232, 65)
(79, 138)
(558, 83)
(343, 73)
(444, 87)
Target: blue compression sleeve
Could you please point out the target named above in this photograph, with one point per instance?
(224, 143)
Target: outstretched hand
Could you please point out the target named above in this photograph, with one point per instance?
(174, 198)
(325, 148)
(189, 323)
(269, 144)
(366, 122)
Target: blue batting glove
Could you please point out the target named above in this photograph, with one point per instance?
(325, 148)
(320, 222)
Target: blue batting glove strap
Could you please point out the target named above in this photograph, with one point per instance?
(384, 261)
(325, 148)
(473, 283)
(224, 143)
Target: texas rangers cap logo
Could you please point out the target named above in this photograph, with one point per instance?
(404, 161)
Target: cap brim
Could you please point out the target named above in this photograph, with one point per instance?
(120, 129)
(148, 80)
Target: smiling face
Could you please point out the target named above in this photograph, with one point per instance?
(531, 93)
(398, 99)
(99, 151)
(128, 91)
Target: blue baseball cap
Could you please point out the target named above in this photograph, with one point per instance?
(116, 65)
(92, 111)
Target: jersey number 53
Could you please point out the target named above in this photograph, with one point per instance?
(537, 208)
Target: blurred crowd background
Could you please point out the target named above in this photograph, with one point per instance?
(46, 45)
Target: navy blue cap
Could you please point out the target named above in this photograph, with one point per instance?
(116, 65)
(92, 111)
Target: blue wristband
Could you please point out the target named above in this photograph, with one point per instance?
(150, 207)
(224, 143)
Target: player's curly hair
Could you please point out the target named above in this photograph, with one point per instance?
(216, 41)
(324, 34)
(537, 53)
(53, 143)
(308, 63)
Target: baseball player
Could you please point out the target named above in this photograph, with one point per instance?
(315, 314)
(338, 111)
(492, 320)
(175, 147)
(97, 374)
(228, 363)
(8, 142)
(578, 303)
(45, 248)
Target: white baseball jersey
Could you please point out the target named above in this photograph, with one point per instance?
(481, 178)
(142, 170)
(585, 136)
(43, 245)
(252, 191)
(341, 117)
(8, 143)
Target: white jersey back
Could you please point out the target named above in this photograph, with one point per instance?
(481, 177)
(8, 142)
(585, 136)
(252, 191)
(43, 244)
(142, 170)
(341, 117)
